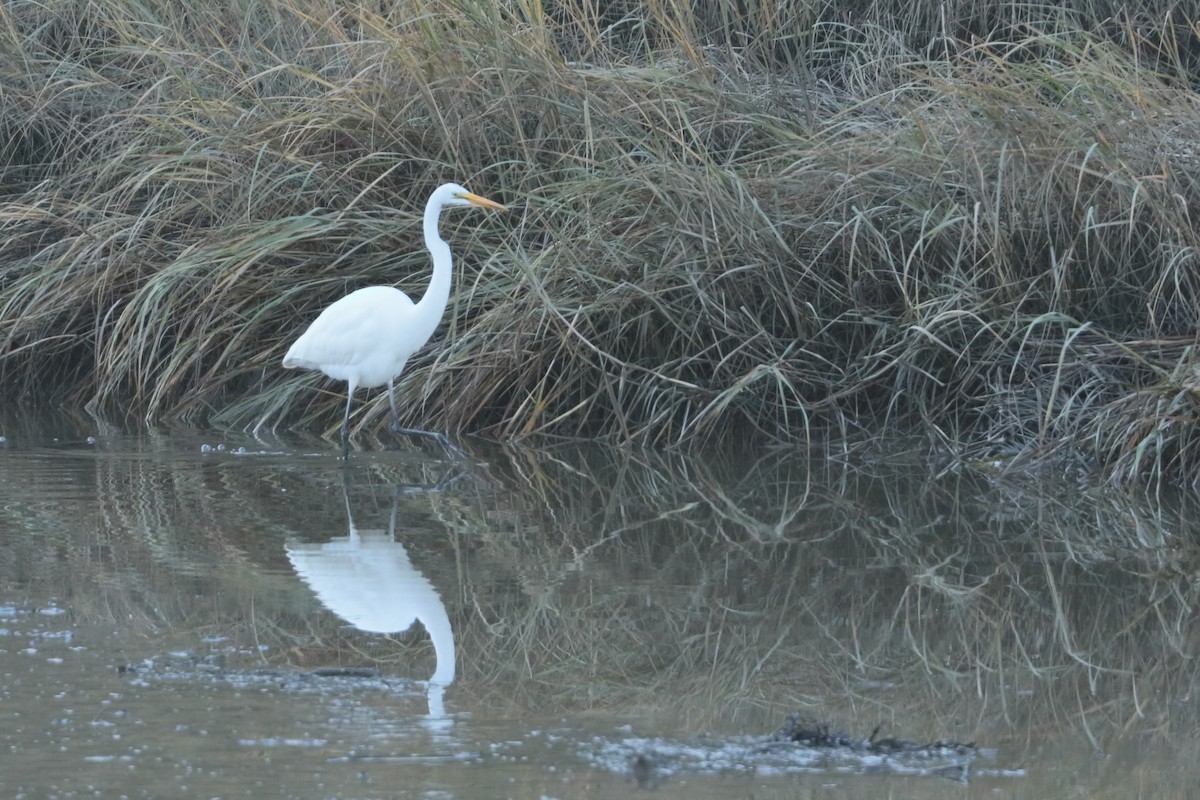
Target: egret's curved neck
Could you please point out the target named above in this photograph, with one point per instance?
(433, 302)
(437, 622)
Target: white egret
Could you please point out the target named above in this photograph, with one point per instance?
(367, 337)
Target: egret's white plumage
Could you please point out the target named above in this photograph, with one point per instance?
(367, 337)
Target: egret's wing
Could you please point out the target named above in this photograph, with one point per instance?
(351, 330)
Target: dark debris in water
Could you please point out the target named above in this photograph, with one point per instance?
(346, 672)
(810, 733)
(945, 758)
(801, 745)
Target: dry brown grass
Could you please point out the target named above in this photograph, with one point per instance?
(975, 225)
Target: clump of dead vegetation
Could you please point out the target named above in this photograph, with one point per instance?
(969, 220)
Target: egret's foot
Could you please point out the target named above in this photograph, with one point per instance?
(440, 438)
(454, 475)
(452, 447)
(448, 479)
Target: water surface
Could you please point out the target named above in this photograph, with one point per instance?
(201, 614)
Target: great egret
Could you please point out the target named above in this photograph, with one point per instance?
(367, 337)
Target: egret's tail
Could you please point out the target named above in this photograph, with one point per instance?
(293, 359)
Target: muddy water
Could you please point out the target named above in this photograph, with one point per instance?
(195, 614)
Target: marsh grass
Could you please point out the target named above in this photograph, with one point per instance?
(969, 220)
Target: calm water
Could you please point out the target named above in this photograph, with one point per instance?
(197, 614)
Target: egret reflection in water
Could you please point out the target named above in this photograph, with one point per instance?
(367, 579)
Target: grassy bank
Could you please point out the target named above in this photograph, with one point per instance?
(975, 223)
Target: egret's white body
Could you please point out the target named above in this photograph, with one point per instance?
(364, 339)
(367, 337)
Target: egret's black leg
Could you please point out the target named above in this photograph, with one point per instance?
(346, 424)
(395, 427)
(392, 400)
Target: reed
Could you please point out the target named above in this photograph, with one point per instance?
(971, 221)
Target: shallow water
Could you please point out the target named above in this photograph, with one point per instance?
(198, 614)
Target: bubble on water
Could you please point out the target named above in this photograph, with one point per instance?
(91, 440)
(206, 448)
(64, 635)
(3, 439)
(241, 451)
(281, 741)
(221, 448)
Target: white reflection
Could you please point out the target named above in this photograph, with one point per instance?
(366, 579)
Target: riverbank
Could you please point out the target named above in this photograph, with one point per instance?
(726, 226)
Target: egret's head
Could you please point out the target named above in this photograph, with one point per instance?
(451, 194)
